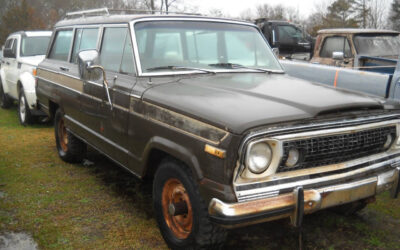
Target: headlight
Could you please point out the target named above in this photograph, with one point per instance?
(293, 158)
(259, 157)
(389, 140)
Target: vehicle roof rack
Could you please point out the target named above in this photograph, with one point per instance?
(106, 11)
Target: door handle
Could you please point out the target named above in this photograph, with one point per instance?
(64, 69)
(7, 63)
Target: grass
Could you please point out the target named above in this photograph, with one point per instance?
(99, 206)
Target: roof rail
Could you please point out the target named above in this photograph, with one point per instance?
(140, 11)
(106, 11)
(89, 12)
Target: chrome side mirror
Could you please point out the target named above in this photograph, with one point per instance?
(86, 60)
(90, 71)
(336, 55)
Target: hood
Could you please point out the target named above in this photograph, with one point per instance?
(32, 60)
(240, 101)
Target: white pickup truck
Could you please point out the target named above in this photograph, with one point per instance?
(22, 52)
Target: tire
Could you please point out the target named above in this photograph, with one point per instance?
(191, 229)
(350, 209)
(5, 101)
(69, 147)
(24, 113)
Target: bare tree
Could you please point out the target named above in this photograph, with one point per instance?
(379, 14)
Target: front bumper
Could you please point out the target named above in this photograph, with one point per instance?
(292, 205)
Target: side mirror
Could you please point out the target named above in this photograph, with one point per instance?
(9, 53)
(88, 70)
(276, 51)
(336, 55)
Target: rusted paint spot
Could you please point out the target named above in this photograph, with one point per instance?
(183, 123)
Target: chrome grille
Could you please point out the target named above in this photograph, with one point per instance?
(332, 149)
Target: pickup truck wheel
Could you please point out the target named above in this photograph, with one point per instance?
(181, 213)
(5, 101)
(69, 147)
(24, 113)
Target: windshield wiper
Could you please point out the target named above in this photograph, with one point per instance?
(239, 66)
(180, 68)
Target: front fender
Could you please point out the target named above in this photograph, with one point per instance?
(175, 150)
(27, 81)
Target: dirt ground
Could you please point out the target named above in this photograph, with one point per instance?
(96, 205)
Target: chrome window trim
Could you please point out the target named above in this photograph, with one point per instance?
(184, 72)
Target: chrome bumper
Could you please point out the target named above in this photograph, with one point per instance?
(295, 204)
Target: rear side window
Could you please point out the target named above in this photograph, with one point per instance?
(336, 44)
(116, 52)
(84, 39)
(61, 45)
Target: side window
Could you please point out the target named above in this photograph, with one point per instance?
(84, 39)
(61, 45)
(127, 65)
(112, 48)
(8, 45)
(335, 44)
(289, 34)
(14, 47)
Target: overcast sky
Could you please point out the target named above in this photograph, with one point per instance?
(235, 7)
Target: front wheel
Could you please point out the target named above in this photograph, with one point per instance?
(181, 212)
(24, 113)
(69, 147)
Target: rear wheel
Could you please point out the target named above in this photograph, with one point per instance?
(5, 101)
(24, 113)
(181, 212)
(69, 147)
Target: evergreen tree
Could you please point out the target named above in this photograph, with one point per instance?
(340, 15)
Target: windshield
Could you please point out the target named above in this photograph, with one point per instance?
(377, 45)
(203, 45)
(34, 46)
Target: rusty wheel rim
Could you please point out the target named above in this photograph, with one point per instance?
(174, 192)
(62, 135)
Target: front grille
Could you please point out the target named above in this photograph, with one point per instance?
(332, 149)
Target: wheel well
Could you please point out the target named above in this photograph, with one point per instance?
(52, 109)
(19, 87)
(154, 159)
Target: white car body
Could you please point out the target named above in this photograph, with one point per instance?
(17, 73)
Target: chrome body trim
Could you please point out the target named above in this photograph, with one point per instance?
(271, 208)
(249, 186)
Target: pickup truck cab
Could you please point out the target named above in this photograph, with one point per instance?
(290, 40)
(364, 49)
(23, 51)
(202, 107)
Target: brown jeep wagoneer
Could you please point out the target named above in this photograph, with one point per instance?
(202, 106)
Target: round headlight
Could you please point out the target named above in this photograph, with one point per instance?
(259, 157)
(389, 140)
(293, 158)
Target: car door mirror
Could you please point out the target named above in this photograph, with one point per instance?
(337, 55)
(9, 53)
(88, 70)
